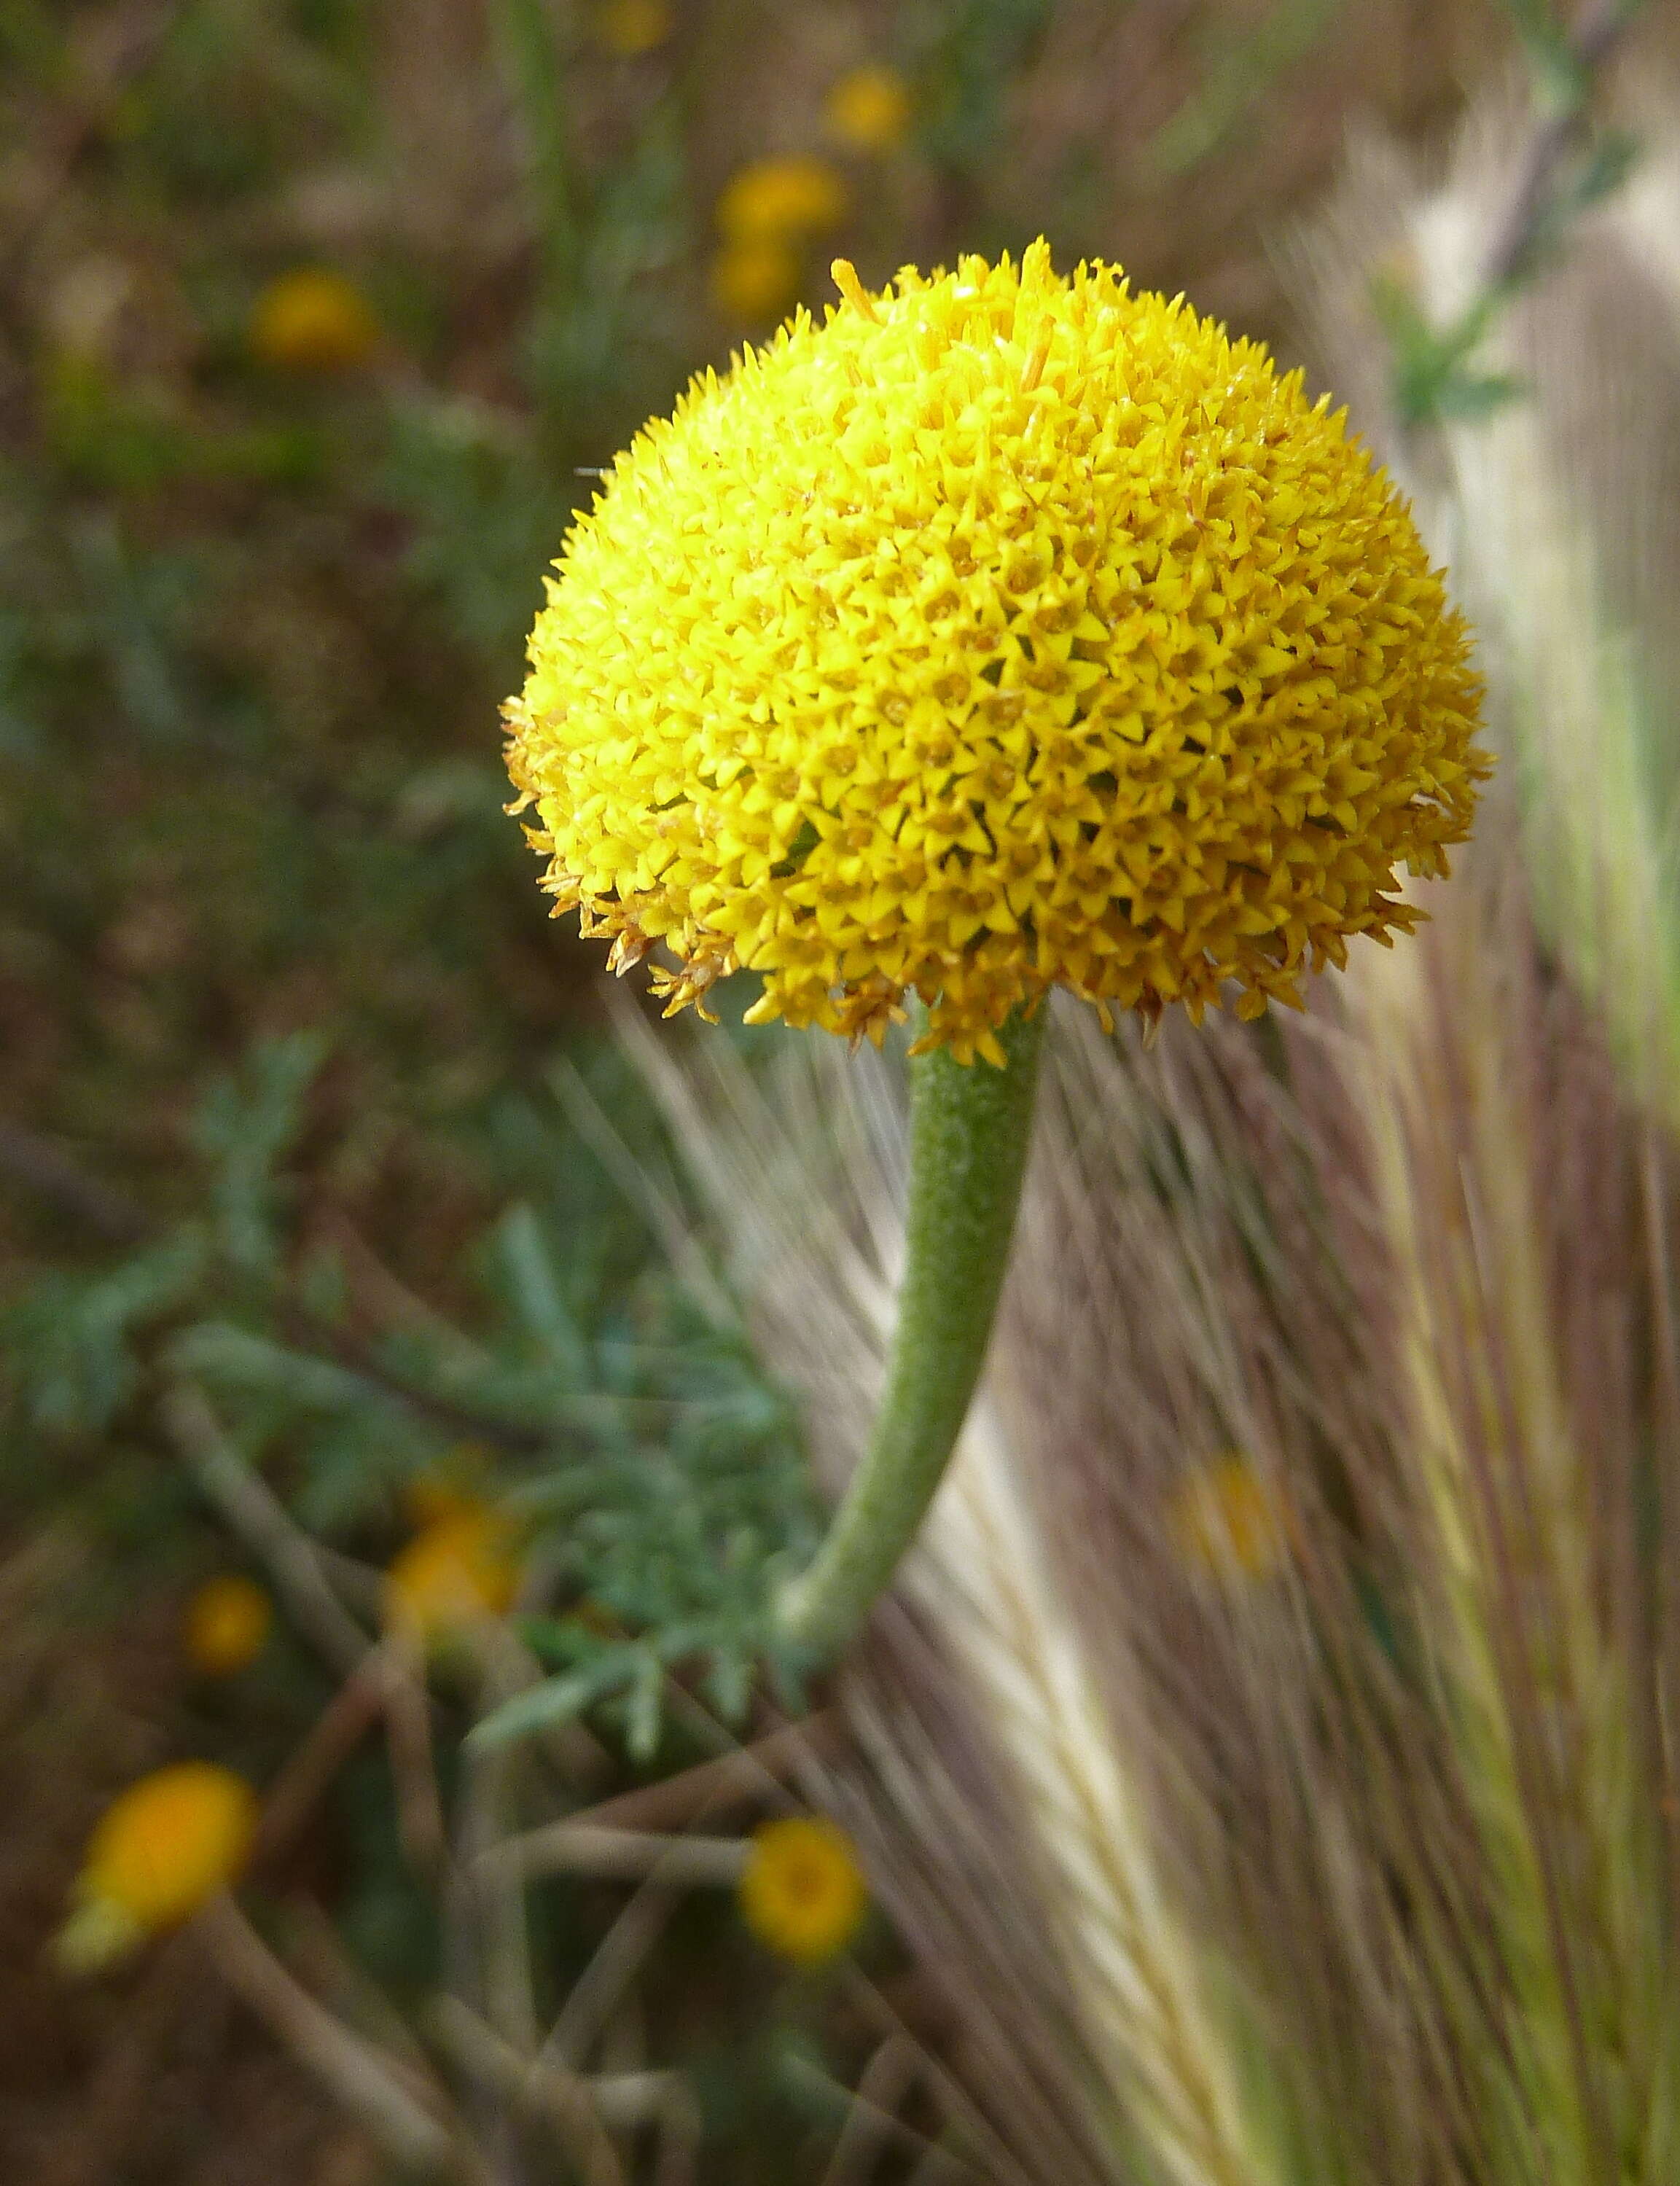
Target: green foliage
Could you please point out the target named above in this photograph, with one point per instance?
(1434, 379)
(660, 1477)
(967, 55)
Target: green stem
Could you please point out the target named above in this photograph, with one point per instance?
(970, 1126)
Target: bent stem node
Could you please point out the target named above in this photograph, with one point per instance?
(970, 1127)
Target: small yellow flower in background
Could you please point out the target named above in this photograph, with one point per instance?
(802, 1892)
(226, 1623)
(1230, 1522)
(458, 1570)
(781, 200)
(870, 109)
(1006, 631)
(446, 1490)
(757, 280)
(162, 1849)
(632, 27)
(312, 319)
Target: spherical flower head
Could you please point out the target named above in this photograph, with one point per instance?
(802, 1892)
(1003, 632)
(227, 1625)
(162, 1849)
(869, 110)
(313, 320)
(459, 1570)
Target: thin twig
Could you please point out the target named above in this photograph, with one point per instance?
(41, 1167)
(380, 2093)
(298, 1789)
(1600, 25)
(255, 1513)
(752, 1773)
(565, 2098)
(872, 2118)
(627, 1855)
(604, 1979)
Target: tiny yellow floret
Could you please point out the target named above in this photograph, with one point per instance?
(313, 320)
(869, 110)
(631, 28)
(227, 1624)
(780, 200)
(459, 1569)
(1002, 632)
(162, 1849)
(803, 1892)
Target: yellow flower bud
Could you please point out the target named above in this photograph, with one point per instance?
(458, 1570)
(773, 200)
(162, 1849)
(870, 109)
(226, 1623)
(802, 1892)
(1002, 632)
(313, 320)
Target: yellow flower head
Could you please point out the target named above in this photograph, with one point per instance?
(458, 1569)
(1230, 1522)
(870, 109)
(779, 200)
(756, 280)
(161, 1850)
(313, 320)
(226, 1623)
(1003, 632)
(803, 1892)
(632, 27)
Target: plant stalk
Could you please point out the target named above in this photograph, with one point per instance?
(969, 1128)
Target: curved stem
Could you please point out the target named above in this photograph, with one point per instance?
(970, 1127)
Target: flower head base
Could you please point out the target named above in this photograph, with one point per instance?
(227, 1625)
(161, 1849)
(1003, 632)
(802, 1892)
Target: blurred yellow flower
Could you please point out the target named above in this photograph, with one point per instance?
(803, 1892)
(227, 1621)
(1230, 1522)
(870, 109)
(312, 319)
(756, 281)
(459, 1569)
(780, 200)
(162, 1849)
(631, 27)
